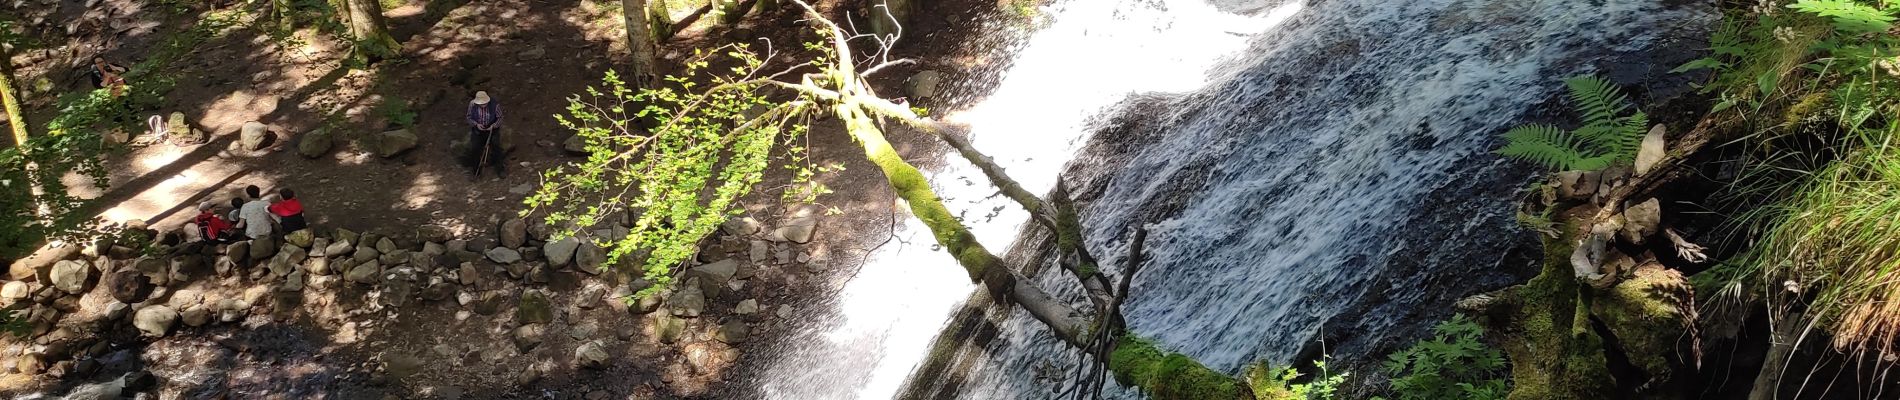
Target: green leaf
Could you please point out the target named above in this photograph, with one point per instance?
(1849, 17)
(1700, 63)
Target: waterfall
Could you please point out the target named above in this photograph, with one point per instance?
(1322, 171)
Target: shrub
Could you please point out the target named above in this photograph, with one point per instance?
(1453, 364)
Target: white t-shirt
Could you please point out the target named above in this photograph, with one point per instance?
(257, 218)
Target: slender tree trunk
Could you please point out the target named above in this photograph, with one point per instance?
(640, 42)
(15, 119)
(1781, 345)
(373, 42)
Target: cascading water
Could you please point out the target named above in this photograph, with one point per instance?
(1327, 159)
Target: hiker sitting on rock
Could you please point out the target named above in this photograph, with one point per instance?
(104, 73)
(288, 210)
(255, 215)
(484, 135)
(212, 228)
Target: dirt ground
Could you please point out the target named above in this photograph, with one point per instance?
(530, 55)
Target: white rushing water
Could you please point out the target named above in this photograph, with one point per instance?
(1095, 54)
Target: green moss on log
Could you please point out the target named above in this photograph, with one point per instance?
(1555, 355)
(1649, 313)
(1167, 375)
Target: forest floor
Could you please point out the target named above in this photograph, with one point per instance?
(530, 55)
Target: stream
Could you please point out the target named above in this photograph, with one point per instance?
(1316, 176)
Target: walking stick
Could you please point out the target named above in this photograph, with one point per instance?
(488, 139)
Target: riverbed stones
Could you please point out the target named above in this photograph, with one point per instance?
(713, 277)
(526, 337)
(514, 233)
(742, 226)
(338, 248)
(71, 276)
(393, 143)
(798, 227)
(262, 249)
(196, 315)
(316, 143)
(574, 146)
(923, 85)
(13, 291)
(364, 254)
(253, 136)
(560, 252)
(317, 266)
(181, 132)
(154, 321)
(588, 257)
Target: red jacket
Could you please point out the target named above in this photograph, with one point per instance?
(212, 224)
(287, 208)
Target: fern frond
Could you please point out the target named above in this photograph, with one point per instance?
(1848, 16)
(1598, 99)
(1629, 138)
(1545, 145)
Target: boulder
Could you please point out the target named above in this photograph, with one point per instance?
(239, 253)
(526, 337)
(338, 248)
(689, 302)
(590, 296)
(574, 146)
(593, 354)
(364, 254)
(317, 266)
(422, 262)
(742, 226)
(534, 308)
(1641, 221)
(254, 136)
(713, 277)
(301, 238)
(385, 245)
(588, 257)
(434, 233)
(1652, 150)
(263, 249)
(129, 286)
(367, 273)
(433, 249)
(514, 233)
(71, 276)
(799, 227)
(746, 307)
(195, 315)
(734, 332)
(155, 321)
(923, 85)
(232, 310)
(293, 282)
(347, 236)
(316, 143)
(504, 255)
(759, 251)
(181, 132)
(14, 291)
(1578, 185)
(393, 143)
(560, 252)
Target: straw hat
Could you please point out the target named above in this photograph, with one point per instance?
(481, 97)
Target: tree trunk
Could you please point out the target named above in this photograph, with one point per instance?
(373, 42)
(1781, 345)
(15, 119)
(641, 42)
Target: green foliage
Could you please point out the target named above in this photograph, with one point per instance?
(1453, 364)
(13, 321)
(1848, 16)
(396, 110)
(34, 203)
(1167, 375)
(1607, 136)
(1279, 383)
(683, 177)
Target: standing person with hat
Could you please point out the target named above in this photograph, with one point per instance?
(484, 135)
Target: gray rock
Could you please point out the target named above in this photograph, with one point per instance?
(589, 257)
(338, 249)
(316, 143)
(293, 282)
(232, 310)
(455, 245)
(742, 226)
(71, 276)
(689, 302)
(469, 275)
(746, 307)
(799, 227)
(923, 85)
(526, 337)
(714, 276)
(591, 355)
(590, 296)
(560, 252)
(155, 321)
(318, 266)
(196, 315)
(433, 249)
(263, 249)
(253, 136)
(181, 131)
(393, 143)
(667, 328)
(367, 273)
(574, 146)
(504, 255)
(1641, 221)
(364, 254)
(14, 291)
(116, 311)
(347, 236)
(784, 311)
(734, 331)
(434, 233)
(759, 251)
(521, 189)
(514, 233)
(399, 365)
(386, 246)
